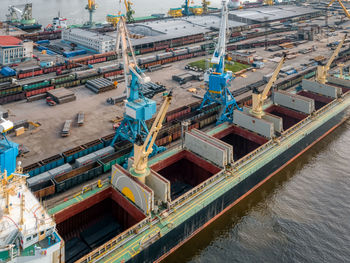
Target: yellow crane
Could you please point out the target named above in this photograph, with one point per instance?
(322, 70)
(142, 150)
(259, 97)
(91, 7)
(341, 72)
(205, 5)
(342, 6)
(129, 11)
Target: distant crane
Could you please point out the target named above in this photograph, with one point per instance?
(91, 7)
(129, 11)
(219, 80)
(205, 5)
(259, 97)
(26, 13)
(322, 70)
(138, 109)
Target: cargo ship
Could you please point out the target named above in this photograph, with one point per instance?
(126, 218)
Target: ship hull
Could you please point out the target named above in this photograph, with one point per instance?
(182, 233)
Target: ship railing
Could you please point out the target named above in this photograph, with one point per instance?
(117, 241)
(204, 185)
(244, 160)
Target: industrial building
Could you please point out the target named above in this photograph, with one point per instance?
(14, 50)
(271, 14)
(99, 43)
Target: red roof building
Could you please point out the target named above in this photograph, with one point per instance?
(9, 41)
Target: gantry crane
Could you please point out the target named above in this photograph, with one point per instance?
(322, 70)
(342, 6)
(91, 7)
(143, 149)
(138, 109)
(219, 80)
(260, 97)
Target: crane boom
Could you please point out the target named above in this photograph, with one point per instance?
(342, 6)
(259, 98)
(322, 70)
(220, 50)
(143, 150)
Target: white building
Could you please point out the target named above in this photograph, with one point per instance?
(95, 41)
(14, 50)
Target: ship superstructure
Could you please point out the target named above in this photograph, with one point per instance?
(27, 231)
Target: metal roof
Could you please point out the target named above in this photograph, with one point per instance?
(90, 34)
(270, 13)
(8, 41)
(167, 29)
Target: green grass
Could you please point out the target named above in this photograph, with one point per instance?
(234, 68)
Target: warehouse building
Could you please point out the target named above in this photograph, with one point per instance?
(97, 42)
(14, 50)
(273, 13)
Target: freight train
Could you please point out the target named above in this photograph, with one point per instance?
(43, 174)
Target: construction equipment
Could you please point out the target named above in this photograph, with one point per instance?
(218, 80)
(259, 97)
(138, 109)
(91, 7)
(342, 6)
(322, 70)
(143, 149)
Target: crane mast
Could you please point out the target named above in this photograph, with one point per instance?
(219, 80)
(142, 150)
(138, 109)
(219, 54)
(322, 70)
(259, 97)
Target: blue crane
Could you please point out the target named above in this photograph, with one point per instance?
(8, 149)
(219, 80)
(138, 109)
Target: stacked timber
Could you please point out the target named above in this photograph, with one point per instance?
(100, 85)
(62, 95)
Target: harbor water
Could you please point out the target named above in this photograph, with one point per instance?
(301, 215)
(75, 12)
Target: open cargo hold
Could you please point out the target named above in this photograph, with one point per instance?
(184, 170)
(95, 219)
(77, 176)
(290, 117)
(320, 100)
(242, 140)
(75, 248)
